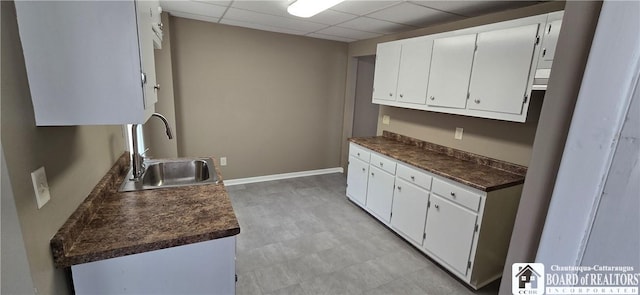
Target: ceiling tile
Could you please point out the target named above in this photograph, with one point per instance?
(473, 8)
(348, 33)
(275, 7)
(215, 2)
(331, 17)
(374, 25)
(329, 37)
(362, 7)
(412, 14)
(195, 16)
(260, 27)
(272, 20)
(192, 7)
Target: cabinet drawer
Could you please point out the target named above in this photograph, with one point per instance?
(359, 152)
(456, 194)
(414, 176)
(383, 163)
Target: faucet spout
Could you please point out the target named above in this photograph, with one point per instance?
(137, 161)
(166, 124)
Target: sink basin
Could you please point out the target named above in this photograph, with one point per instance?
(173, 173)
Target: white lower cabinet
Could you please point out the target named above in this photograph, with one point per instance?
(464, 229)
(357, 179)
(449, 233)
(409, 210)
(380, 193)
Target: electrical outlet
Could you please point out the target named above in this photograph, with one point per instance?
(223, 161)
(40, 186)
(458, 134)
(386, 119)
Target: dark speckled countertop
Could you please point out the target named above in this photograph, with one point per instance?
(111, 224)
(476, 171)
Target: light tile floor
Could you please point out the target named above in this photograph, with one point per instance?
(303, 236)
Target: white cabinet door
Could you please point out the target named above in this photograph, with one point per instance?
(501, 69)
(386, 71)
(409, 210)
(449, 233)
(413, 75)
(146, 34)
(450, 70)
(380, 193)
(551, 32)
(357, 176)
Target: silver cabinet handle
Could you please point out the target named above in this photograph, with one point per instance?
(144, 78)
(363, 169)
(400, 95)
(453, 194)
(358, 154)
(390, 94)
(413, 178)
(432, 98)
(381, 164)
(477, 101)
(372, 174)
(399, 188)
(437, 206)
(157, 87)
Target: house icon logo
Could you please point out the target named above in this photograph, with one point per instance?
(527, 278)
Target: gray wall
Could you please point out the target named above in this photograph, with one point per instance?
(154, 131)
(497, 139)
(271, 103)
(365, 113)
(75, 158)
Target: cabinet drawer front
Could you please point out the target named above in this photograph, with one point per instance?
(456, 194)
(414, 176)
(383, 163)
(359, 152)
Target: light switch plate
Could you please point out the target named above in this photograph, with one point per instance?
(223, 161)
(458, 134)
(40, 186)
(386, 119)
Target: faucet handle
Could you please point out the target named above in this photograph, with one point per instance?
(144, 152)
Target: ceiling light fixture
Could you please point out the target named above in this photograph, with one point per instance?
(309, 8)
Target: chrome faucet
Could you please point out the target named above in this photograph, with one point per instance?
(137, 161)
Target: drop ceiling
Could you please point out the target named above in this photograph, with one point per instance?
(348, 21)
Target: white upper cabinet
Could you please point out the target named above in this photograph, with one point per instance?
(385, 79)
(450, 69)
(486, 71)
(501, 69)
(89, 62)
(413, 74)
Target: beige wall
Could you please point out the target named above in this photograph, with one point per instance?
(497, 139)
(507, 141)
(271, 103)
(75, 158)
(154, 131)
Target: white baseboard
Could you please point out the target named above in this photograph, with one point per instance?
(247, 180)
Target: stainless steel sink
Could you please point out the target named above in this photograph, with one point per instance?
(173, 173)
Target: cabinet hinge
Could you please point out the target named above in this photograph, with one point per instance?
(424, 236)
(428, 204)
(537, 40)
(476, 228)
(469, 264)
(476, 48)
(549, 30)
(468, 95)
(391, 214)
(526, 97)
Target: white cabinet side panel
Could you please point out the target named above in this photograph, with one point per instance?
(200, 268)
(61, 40)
